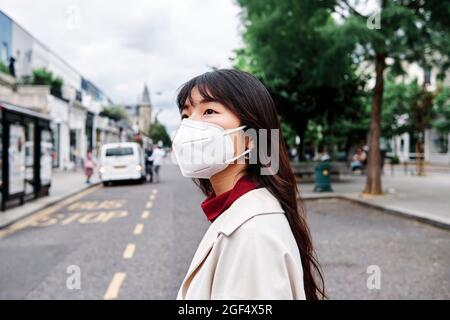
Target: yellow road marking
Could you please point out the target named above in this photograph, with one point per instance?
(145, 214)
(71, 218)
(149, 205)
(91, 217)
(39, 215)
(129, 251)
(96, 205)
(81, 217)
(138, 229)
(114, 286)
(106, 216)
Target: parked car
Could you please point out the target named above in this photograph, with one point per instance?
(121, 161)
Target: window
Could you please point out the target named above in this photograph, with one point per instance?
(55, 129)
(440, 143)
(46, 157)
(118, 152)
(4, 52)
(29, 158)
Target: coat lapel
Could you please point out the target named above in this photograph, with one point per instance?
(253, 203)
(203, 249)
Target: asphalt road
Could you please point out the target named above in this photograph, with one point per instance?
(355, 242)
(133, 241)
(161, 224)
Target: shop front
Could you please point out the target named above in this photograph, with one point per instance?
(25, 153)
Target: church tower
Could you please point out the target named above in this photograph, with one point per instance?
(144, 111)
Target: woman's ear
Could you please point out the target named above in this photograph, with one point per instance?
(249, 144)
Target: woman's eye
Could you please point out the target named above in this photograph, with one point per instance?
(210, 111)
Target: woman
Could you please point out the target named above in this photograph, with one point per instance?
(89, 165)
(258, 245)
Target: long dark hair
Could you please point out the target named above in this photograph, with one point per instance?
(249, 99)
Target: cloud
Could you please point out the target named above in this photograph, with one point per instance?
(120, 45)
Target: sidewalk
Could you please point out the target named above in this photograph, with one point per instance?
(64, 184)
(424, 198)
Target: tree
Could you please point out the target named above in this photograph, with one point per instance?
(408, 107)
(408, 31)
(293, 48)
(441, 108)
(158, 132)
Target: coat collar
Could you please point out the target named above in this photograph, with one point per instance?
(255, 202)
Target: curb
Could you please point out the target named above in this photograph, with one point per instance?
(402, 212)
(46, 205)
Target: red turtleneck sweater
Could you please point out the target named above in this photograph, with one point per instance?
(213, 206)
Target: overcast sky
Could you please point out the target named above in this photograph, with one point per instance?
(119, 45)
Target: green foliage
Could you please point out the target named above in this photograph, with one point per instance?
(158, 132)
(397, 101)
(410, 31)
(441, 108)
(4, 68)
(114, 112)
(408, 107)
(308, 61)
(44, 77)
(314, 133)
(288, 133)
(293, 48)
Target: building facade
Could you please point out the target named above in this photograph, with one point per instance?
(74, 114)
(436, 144)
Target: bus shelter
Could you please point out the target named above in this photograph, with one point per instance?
(25, 155)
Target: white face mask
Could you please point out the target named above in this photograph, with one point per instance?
(203, 149)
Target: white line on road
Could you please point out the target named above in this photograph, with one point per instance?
(149, 205)
(155, 191)
(152, 197)
(129, 251)
(145, 214)
(114, 286)
(138, 229)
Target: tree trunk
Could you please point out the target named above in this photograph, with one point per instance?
(420, 156)
(301, 130)
(373, 180)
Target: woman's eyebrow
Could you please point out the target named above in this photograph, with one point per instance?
(187, 105)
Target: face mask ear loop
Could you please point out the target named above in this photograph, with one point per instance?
(242, 154)
(234, 130)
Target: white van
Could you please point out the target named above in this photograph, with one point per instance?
(122, 161)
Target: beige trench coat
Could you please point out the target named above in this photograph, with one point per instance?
(248, 252)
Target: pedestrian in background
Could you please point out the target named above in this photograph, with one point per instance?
(358, 160)
(89, 165)
(157, 158)
(149, 162)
